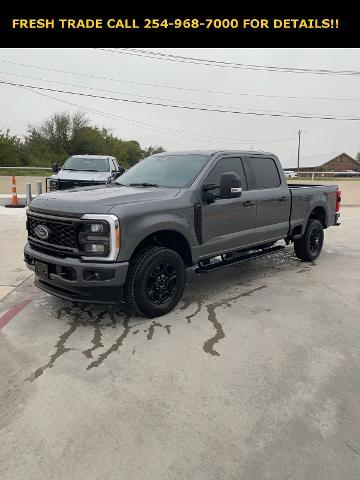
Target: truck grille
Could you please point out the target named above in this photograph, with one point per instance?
(63, 233)
(67, 184)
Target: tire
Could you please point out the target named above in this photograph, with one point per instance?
(155, 281)
(309, 246)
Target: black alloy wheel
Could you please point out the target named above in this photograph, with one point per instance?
(161, 283)
(309, 246)
(155, 281)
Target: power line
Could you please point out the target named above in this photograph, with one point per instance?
(187, 107)
(136, 95)
(225, 64)
(157, 128)
(172, 87)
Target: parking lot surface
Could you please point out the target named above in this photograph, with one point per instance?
(254, 376)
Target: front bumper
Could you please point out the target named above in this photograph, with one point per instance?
(66, 278)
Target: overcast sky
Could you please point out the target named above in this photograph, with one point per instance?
(187, 129)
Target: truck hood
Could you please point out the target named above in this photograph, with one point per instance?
(97, 199)
(82, 175)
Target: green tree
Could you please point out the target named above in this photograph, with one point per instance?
(51, 141)
(62, 135)
(358, 156)
(11, 151)
(152, 150)
(127, 152)
(88, 140)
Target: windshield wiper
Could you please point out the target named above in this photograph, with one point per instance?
(72, 169)
(85, 170)
(144, 184)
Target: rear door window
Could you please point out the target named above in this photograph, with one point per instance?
(265, 173)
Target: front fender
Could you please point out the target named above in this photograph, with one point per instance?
(134, 231)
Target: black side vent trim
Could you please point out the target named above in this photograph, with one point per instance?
(198, 222)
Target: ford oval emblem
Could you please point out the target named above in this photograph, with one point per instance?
(42, 232)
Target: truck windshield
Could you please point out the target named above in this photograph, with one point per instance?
(87, 164)
(165, 171)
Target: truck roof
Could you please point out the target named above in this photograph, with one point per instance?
(213, 152)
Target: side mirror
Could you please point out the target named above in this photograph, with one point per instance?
(230, 185)
(54, 168)
(117, 175)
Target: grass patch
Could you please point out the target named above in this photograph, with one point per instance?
(24, 172)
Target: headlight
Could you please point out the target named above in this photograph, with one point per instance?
(95, 227)
(53, 185)
(99, 237)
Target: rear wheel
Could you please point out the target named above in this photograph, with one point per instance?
(309, 246)
(155, 281)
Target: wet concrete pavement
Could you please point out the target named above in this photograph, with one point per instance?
(253, 376)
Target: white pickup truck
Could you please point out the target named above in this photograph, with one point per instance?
(83, 171)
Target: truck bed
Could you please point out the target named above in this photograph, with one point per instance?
(306, 197)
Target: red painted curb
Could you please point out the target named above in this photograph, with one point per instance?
(12, 312)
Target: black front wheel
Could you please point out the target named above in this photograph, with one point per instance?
(155, 281)
(309, 246)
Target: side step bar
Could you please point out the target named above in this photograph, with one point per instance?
(206, 266)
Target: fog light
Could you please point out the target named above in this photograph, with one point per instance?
(94, 248)
(90, 275)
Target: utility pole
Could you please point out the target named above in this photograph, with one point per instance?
(298, 158)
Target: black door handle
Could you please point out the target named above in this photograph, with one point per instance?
(282, 199)
(248, 203)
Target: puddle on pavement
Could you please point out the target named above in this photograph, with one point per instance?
(246, 279)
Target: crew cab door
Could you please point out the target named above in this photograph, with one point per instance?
(228, 223)
(273, 198)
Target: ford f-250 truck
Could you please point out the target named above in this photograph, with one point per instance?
(135, 237)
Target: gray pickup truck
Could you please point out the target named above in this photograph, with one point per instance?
(134, 238)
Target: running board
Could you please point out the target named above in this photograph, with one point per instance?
(209, 267)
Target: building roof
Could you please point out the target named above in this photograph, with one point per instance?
(343, 153)
(316, 161)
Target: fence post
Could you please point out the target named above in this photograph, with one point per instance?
(39, 188)
(28, 193)
(312, 176)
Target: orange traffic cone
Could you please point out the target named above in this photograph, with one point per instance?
(14, 198)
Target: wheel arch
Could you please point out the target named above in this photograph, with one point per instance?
(319, 212)
(169, 238)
